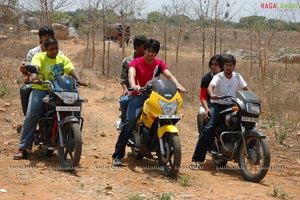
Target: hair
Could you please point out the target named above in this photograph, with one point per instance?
(139, 40)
(218, 58)
(50, 41)
(229, 58)
(153, 44)
(46, 30)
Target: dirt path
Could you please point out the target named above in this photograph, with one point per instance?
(40, 178)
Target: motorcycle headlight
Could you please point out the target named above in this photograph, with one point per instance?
(253, 108)
(168, 108)
(67, 97)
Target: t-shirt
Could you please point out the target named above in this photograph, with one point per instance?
(204, 85)
(34, 51)
(144, 71)
(225, 86)
(47, 65)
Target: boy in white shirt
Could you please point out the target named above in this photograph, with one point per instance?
(224, 83)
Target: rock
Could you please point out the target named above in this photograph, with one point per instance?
(2, 190)
(3, 37)
(33, 22)
(72, 33)
(108, 187)
(97, 155)
(60, 31)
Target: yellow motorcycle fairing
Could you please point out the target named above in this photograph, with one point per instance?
(152, 109)
(166, 129)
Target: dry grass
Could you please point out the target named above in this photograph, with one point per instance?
(277, 91)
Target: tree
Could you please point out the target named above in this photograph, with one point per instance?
(127, 9)
(179, 18)
(201, 10)
(154, 17)
(45, 8)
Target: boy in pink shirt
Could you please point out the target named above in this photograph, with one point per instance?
(141, 70)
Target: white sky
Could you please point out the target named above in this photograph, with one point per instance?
(241, 8)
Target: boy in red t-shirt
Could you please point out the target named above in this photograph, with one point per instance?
(141, 70)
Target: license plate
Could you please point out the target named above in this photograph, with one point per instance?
(250, 119)
(169, 116)
(67, 108)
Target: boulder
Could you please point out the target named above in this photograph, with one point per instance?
(60, 31)
(72, 33)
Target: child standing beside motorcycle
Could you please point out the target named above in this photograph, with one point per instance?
(44, 62)
(225, 83)
(141, 70)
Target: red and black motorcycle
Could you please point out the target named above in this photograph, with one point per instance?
(60, 126)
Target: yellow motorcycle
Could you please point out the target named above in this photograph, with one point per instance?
(155, 130)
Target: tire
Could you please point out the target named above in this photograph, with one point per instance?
(200, 119)
(259, 159)
(134, 150)
(170, 163)
(70, 154)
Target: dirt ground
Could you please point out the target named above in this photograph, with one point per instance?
(39, 177)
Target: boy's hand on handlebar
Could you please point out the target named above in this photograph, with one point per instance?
(136, 87)
(181, 88)
(214, 97)
(82, 83)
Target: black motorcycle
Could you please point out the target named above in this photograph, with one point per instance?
(60, 126)
(236, 138)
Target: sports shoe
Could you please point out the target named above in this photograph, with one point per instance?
(117, 162)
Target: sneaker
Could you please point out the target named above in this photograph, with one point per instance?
(117, 124)
(117, 162)
(196, 165)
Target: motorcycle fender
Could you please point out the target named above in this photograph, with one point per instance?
(68, 119)
(254, 133)
(166, 128)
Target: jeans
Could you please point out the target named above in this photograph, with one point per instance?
(124, 101)
(35, 110)
(133, 112)
(206, 135)
(25, 91)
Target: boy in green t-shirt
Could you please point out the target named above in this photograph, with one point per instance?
(45, 62)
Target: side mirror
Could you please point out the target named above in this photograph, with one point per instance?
(31, 68)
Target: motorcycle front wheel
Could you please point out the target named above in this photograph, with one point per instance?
(255, 167)
(69, 155)
(170, 162)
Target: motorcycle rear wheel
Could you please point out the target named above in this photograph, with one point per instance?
(70, 154)
(170, 163)
(255, 167)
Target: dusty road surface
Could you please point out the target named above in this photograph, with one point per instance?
(39, 177)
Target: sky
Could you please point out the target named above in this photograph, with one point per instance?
(243, 8)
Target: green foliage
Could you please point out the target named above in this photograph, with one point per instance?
(277, 193)
(282, 134)
(59, 16)
(4, 90)
(154, 17)
(166, 196)
(137, 197)
(185, 181)
(253, 21)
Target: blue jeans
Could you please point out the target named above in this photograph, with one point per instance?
(124, 101)
(34, 111)
(133, 112)
(25, 91)
(206, 135)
